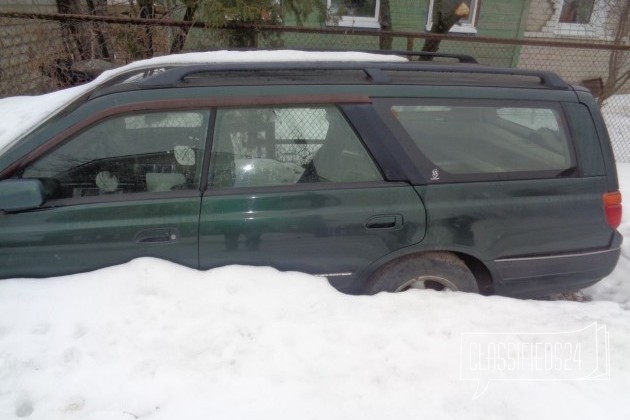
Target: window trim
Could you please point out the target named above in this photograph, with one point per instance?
(349, 21)
(464, 28)
(116, 198)
(290, 188)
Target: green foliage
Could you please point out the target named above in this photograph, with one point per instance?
(301, 9)
(222, 13)
(228, 14)
(219, 13)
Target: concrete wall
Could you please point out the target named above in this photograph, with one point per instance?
(573, 64)
(540, 11)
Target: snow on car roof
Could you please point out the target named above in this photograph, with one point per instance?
(21, 114)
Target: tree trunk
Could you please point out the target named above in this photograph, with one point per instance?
(74, 34)
(147, 11)
(95, 8)
(180, 38)
(242, 37)
(445, 15)
(385, 19)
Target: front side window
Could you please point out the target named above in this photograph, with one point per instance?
(286, 145)
(135, 153)
(355, 13)
(491, 139)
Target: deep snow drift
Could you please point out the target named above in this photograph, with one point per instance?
(153, 340)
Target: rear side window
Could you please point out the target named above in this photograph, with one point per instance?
(488, 138)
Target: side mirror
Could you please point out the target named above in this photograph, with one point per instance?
(21, 194)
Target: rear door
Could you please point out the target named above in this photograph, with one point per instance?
(293, 186)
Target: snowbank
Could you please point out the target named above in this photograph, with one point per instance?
(153, 340)
(616, 113)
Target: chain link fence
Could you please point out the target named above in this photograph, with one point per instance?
(45, 51)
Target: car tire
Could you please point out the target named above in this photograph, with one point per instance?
(437, 271)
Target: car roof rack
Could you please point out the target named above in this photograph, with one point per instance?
(377, 72)
(460, 58)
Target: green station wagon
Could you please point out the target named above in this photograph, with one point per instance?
(381, 175)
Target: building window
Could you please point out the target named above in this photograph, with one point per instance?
(466, 25)
(576, 18)
(576, 11)
(354, 13)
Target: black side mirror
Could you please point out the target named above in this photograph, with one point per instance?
(21, 194)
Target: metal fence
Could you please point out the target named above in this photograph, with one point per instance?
(43, 52)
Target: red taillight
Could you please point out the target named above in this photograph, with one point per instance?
(612, 208)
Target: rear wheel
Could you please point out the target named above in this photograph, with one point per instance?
(436, 271)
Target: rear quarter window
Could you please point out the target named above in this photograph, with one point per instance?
(492, 138)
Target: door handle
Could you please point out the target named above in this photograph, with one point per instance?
(156, 236)
(388, 221)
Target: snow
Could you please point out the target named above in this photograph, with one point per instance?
(153, 340)
(616, 112)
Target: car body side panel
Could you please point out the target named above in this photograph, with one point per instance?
(76, 238)
(538, 276)
(332, 231)
(520, 220)
(604, 140)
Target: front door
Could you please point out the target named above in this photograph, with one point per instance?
(125, 187)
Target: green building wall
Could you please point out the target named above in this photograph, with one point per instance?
(497, 18)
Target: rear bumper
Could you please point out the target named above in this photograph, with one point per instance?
(540, 276)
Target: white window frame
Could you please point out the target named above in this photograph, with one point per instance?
(594, 29)
(350, 21)
(458, 28)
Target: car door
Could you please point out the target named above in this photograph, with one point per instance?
(126, 186)
(294, 187)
